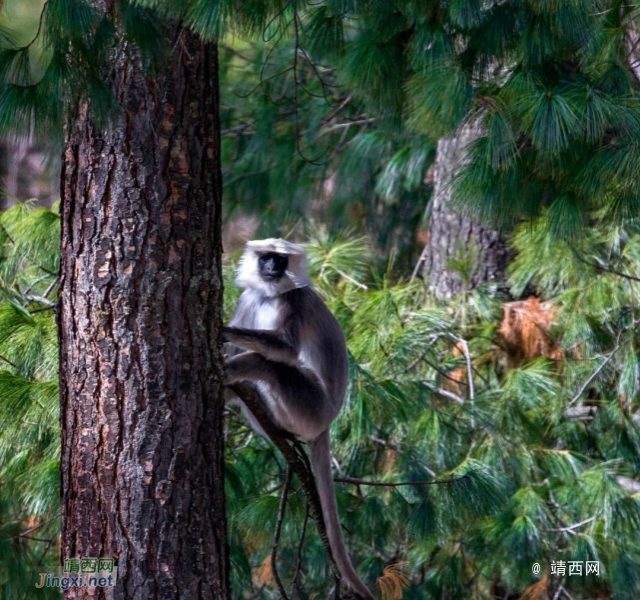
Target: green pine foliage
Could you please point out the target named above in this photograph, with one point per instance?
(332, 109)
(29, 413)
(516, 464)
(298, 145)
(551, 86)
(520, 464)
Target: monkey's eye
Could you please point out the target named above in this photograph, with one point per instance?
(273, 265)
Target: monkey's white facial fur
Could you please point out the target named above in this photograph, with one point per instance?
(295, 276)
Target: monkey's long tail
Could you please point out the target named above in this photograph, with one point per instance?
(321, 466)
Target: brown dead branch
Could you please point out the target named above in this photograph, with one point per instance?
(525, 331)
(276, 537)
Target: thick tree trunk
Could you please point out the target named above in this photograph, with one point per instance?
(139, 322)
(454, 239)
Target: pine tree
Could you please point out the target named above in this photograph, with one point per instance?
(29, 432)
(139, 306)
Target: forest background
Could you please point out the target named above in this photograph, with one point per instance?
(465, 177)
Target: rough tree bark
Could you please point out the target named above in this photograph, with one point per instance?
(139, 319)
(452, 236)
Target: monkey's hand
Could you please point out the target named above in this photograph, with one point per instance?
(269, 344)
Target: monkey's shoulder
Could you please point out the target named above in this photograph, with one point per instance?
(295, 299)
(313, 318)
(306, 303)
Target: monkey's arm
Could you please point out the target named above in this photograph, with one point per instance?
(270, 344)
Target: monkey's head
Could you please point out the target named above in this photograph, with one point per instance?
(273, 266)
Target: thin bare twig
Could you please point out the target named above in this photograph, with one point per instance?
(467, 356)
(346, 124)
(611, 354)
(50, 288)
(570, 528)
(603, 268)
(3, 358)
(413, 364)
(416, 269)
(472, 394)
(443, 392)
(337, 108)
(393, 484)
(296, 99)
(296, 572)
(36, 282)
(443, 373)
(40, 23)
(398, 450)
(40, 300)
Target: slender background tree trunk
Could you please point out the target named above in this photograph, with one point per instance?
(454, 238)
(140, 315)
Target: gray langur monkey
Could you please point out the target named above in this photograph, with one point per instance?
(295, 357)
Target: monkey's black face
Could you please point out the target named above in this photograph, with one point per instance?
(272, 266)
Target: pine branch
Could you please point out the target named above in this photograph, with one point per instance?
(445, 393)
(393, 484)
(603, 268)
(346, 124)
(276, 537)
(467, 356)
(602, 365)
(40, 300)
(570, 528)
(472, 396)
(296, 571)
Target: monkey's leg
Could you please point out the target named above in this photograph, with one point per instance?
(295, 399)
(269, 344)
